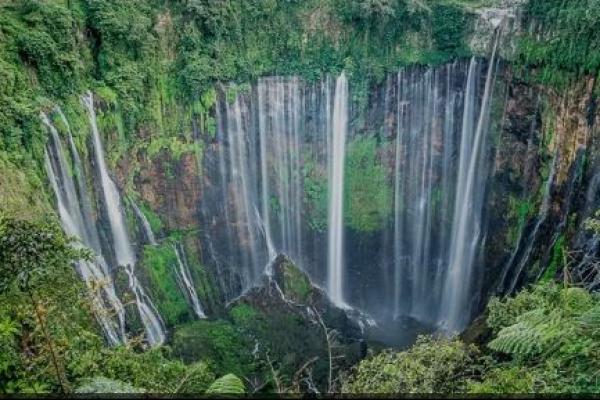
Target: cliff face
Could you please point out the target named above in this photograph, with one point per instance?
(547, 176)
(529, 194)
(242, 168)
(533, 178)
(171, 187)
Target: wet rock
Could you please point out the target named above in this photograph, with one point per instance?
(292, 320)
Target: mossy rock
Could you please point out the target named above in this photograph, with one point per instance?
(296, 284)
(282, 317)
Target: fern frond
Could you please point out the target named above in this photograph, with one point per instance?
(590, 320)
(518, 339)
(228, 384)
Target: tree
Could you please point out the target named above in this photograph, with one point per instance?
(430, 366)
(35, 256)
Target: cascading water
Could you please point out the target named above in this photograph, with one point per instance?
(145, 224)
(77, 221)
(260, 174)
(185, 281)
(279, 118)
(335, 266)
(466, 226)
(153, 326)
(279, 140)
(124, 252)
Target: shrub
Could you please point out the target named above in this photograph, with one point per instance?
(430, 366)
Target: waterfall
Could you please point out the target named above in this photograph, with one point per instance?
(279, 158)
(77, 221)
(260, 174)
(279, 118)
(123, 249)
(267, 235)
(122, 246)
(153, 326)
(424, 182)
(145, 224)
(240, 184)
(466, 226)
(337, 153)
(185, 279)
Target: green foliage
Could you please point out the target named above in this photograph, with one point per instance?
(40, 55)
(519, 212)
(34, 254)
(9, 356)
(545, 340)
(218, 342)
(21, 191)
(564, 44)
(315, 194)
(504, 379)
(502, 313)
(101, 384)
(48, 337)
(48, 43)
(297, 286)
(228, 384)
(367, 194)
(161, 263)
(429, 366)
(174, 145)
(551, 332)
(558, 259)
(154, 372)
(449, 24)
(44, 308)
(243, 314)
(124, 38)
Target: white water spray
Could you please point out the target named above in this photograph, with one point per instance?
(145, 224)
(76, 220)
(337, 152)
(124, 252)
(185, 277)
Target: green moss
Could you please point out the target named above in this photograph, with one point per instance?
(22, 194)
(315, 193)
(297, 284)
(519, 212)
(160, 263)
(243, 314)
(367, 194)
(204, 283)
(153, 219)
(557, 261)
(574, 50)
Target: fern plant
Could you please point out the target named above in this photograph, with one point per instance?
(552, 332)
(228, 384)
